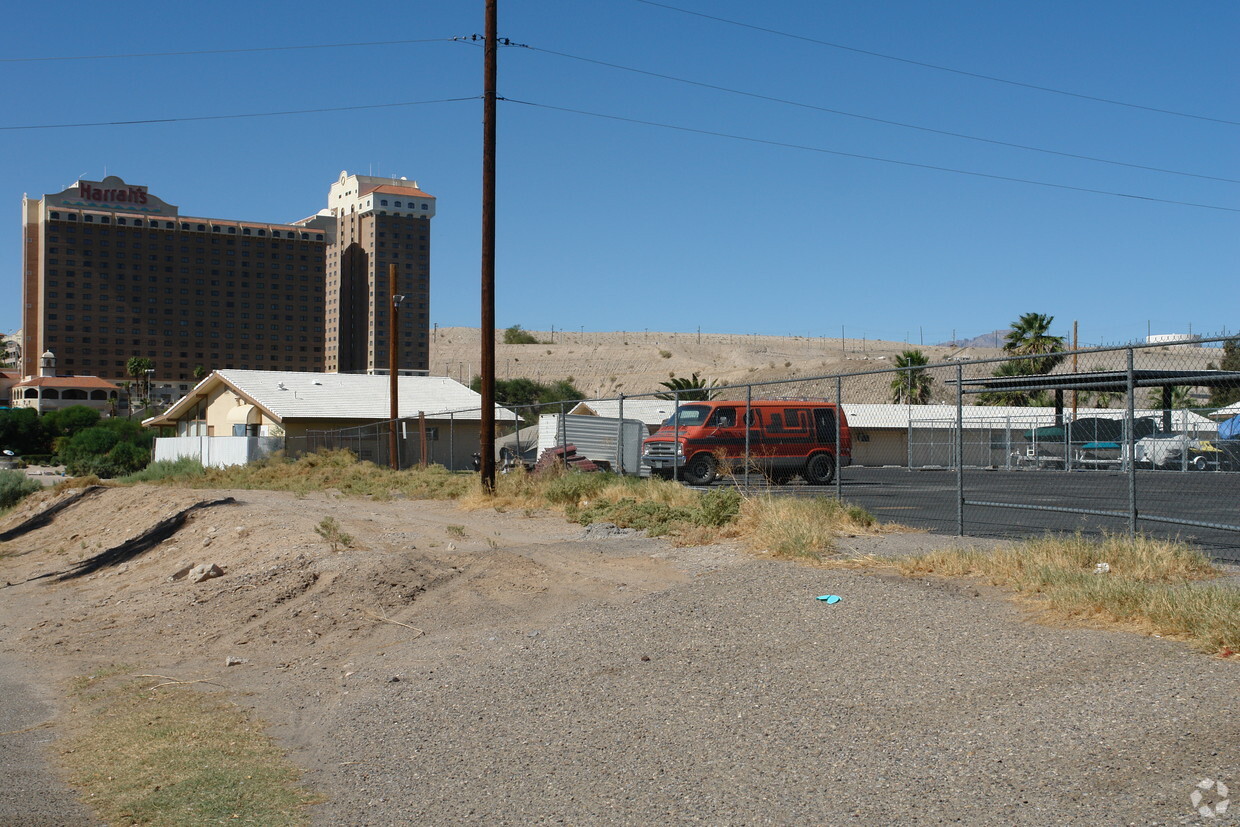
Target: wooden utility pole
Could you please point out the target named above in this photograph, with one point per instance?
(487, 430)
(393, 368)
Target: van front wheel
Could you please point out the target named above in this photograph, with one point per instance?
(820, 470)
(700, 470)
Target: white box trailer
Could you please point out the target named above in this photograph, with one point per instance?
(605, 440)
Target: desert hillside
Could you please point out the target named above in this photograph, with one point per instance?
(605, 364)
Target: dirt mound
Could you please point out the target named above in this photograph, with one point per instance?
(286, 596)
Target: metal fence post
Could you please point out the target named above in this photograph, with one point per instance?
(1131, 426)
(620, 437)
(452, 441)
(675, 435)
(960, 450)
(563, 436)
(1067, 444)
(748, 428)
(1007, 443)
(839, 412)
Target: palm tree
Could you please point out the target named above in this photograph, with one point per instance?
(1013, 399)
(138, 367)
(690, 388)
(1181, 398)
(1030, 336)
(912, 384)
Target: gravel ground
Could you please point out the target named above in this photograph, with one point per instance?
(598, 677)
(33, 793)
(740, 699)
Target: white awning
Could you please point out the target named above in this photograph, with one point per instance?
(244, 415)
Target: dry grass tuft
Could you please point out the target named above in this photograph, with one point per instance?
(177, 756)
(793, 528)
(801, 528)
(1152, 586)
(331, 470)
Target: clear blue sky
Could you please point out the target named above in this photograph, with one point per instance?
(617, 225)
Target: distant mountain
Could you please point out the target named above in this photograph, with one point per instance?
(993, 339)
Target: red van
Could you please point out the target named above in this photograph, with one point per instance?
(786, 438)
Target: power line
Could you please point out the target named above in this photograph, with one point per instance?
(885, 121)
(228, 51)
(937, 67)
(238, 116)
(840, 153)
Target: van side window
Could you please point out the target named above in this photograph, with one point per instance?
(824, 423)
(723, 418)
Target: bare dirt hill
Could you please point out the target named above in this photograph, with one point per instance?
(605, 364)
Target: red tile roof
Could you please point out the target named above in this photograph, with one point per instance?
(387, 189)
(83, 382)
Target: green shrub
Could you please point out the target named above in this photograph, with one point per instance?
(14, 487)
(112, 448)
(574, 486)
(719, 507)
(516, 336)
(166, 469)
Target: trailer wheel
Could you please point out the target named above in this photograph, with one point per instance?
(820, 470)
(701, 470)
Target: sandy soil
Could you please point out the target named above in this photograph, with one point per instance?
(439, 625)
(606, 363)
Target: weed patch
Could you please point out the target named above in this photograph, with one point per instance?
(177, 756)
(176, 469)
(800, 528)
(330, 531)
(1150, 586)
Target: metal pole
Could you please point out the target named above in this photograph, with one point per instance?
(487, 429)
(452, 441)
(839, 412)
(563, 436)
(620, 438)
(676, 435)
(1007, 442)
(1130, 423)
(748, 428)
(960, 449)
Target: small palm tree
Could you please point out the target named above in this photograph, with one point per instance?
(1180, 398)
(1030, 336)
(1013, 398)
(137, 367)
(912, 384)
(688, 388)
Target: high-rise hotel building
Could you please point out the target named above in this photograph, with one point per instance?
(377, 222)
(111, 271)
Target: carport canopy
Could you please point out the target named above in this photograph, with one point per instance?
(1114, 381)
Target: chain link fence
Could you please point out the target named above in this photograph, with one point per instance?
(1119, 440)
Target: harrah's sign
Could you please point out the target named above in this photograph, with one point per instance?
(96, 192)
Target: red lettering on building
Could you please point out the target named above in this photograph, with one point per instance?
(133, 195)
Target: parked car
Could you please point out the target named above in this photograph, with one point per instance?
(785, 438)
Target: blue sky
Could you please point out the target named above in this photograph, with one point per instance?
(616, 225)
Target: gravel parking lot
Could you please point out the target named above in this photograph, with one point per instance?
(741, 699)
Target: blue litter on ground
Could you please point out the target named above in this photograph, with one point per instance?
(830, 598)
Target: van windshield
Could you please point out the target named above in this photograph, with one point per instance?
(688, 416)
